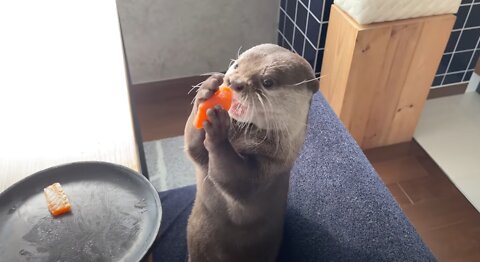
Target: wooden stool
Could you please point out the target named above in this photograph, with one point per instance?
(376, 77)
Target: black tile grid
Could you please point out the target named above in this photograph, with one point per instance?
(313, 29)
(461, 16)
(303, 28)
(474, 17)
(462, 48)
(474, 59)
(468, 75)
(301, 18)
(460, 61)
(442, 68)
(437, 80)
(453, 78)
(469, 39)
(309, 54)
(298, 41)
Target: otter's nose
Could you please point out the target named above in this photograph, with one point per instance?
(237, 85)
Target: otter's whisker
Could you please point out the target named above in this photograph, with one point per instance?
(276, 65)
(283, 132)
(309, 80)
(241, 124)
(189, 91)
(195, 86)
(274, 131)
(205, 179)
(238, 51)
(268, 101)
(208, 73)
(251, 109)
(267, 120)
(231, 62)
(270, 105)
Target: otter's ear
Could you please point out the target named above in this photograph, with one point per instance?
(313, 86)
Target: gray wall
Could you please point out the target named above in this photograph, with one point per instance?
(167, 39)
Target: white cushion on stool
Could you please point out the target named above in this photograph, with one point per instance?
(369, 11)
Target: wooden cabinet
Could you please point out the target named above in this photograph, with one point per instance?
(377, 77)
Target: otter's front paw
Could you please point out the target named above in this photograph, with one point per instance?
(208, 88)
(216, 128)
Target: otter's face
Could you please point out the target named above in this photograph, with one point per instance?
(270, 88)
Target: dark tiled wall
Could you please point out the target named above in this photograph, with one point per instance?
(303, 28)
(463, 50)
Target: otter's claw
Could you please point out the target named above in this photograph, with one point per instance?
(217, 127)
(208, 87)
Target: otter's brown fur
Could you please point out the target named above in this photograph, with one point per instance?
(243, 167)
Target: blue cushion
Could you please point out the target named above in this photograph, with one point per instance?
(338, 208)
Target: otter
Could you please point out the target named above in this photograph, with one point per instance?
(243, 156)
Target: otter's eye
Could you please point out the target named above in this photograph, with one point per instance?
(235, 66)
(267, 82)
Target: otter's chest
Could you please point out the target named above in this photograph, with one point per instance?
(248, 140)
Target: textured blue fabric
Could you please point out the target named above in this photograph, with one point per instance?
(171, 242)
(338, 208)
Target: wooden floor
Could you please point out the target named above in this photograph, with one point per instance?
(445, 220)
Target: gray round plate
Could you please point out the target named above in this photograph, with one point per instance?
(115, 215)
